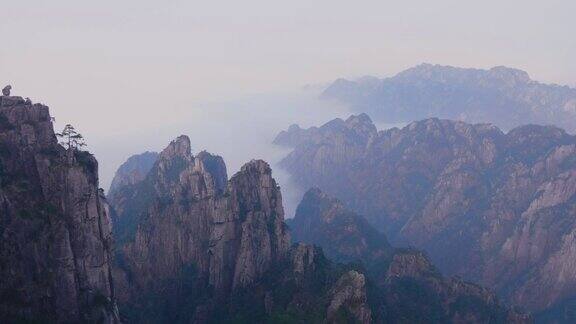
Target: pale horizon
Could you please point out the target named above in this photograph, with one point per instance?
(132, 75)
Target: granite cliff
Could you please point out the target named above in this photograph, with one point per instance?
(132, 171)
(495, 208)
(195, 246)
(190, 245)
(408, 287)
(199, 247)
(55, 230)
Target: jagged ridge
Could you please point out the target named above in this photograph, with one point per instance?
(409, 287)
(504, 96)
(490, 206)
(55, 233)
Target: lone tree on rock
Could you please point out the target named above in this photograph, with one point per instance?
(70, 138)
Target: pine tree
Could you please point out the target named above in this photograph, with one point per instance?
(70, 138)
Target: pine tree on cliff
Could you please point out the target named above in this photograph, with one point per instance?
(70, 138)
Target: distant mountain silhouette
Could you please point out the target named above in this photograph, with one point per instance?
(503, 96)
(495, 208)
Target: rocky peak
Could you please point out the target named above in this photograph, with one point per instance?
(399, 275)
(327, 207)
(423, 70)
(293, 136)
(510, 76)
(362, 124)
(411, 263)
(294, 128)
(178, 148)
(503, 96)
(134, 170)
(256, 174)
(537, 135)
(6, 100)
(215, 166)
(447, 74)
(229, 231)
(344, 235)
(55, 229)
(438, 184)
(168, 171)
(256, 206)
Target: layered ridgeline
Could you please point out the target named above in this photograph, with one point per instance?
(55, 233)
(495, 208)
(501, 95)
(194, 246)
(409, 287)
(191, 245)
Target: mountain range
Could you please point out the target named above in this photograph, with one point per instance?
(410, 286)
(503, 96)
(178, 241)
(184, 223)
(492, 207)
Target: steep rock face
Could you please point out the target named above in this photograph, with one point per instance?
(305, 287)
(186, 217)
(504, 96)
(494, 208)
(193, 250)
(132, 171)
(337, 143)
(343, 235)
(416, 292)
(411, 289)
(55, 233)
(127, 178)
(349, 293)
(253, 225)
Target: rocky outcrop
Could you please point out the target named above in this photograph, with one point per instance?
(132, 171)
(186, 214)
(504, 96)
(6, 90)
(55, 232)
(493, 207)
(127, 178)
(409, 287)
(193, 245)
(415, 292)
(343, 235)
(349, 294)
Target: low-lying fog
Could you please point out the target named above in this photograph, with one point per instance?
(238, 130)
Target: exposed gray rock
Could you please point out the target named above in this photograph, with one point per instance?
(492, 207)
(343, 235)
(186, 214)
(350, 293)
(303, 257)
(503, 96)
(55, 231)
(400, 275)
(6, 90)
(132, 171)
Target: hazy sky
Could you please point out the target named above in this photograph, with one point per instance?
(122, 70)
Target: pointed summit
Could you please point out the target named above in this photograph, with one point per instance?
(178, 147)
